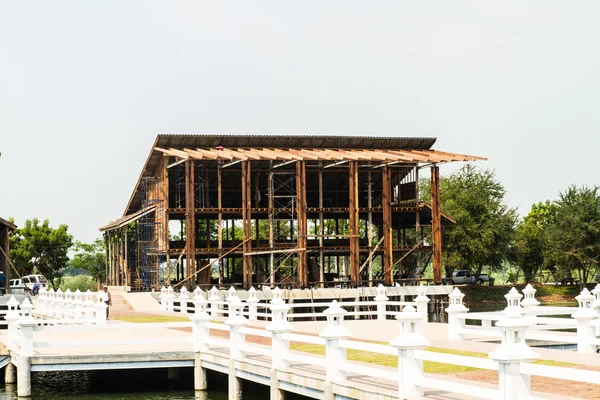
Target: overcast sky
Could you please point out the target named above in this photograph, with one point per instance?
(85, 87)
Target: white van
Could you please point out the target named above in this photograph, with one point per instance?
(34, 282)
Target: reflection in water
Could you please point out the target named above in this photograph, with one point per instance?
(147, 384)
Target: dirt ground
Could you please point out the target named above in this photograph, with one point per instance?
(538, 384)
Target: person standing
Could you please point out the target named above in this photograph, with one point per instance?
(106, 298)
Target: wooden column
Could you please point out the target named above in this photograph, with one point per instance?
(354, 243)
(301, 206)
(436, 225)
(418, 220)
(370, 224)
(220, 221)
(126, 261)
(190, 219)
(271, 232)
(388, 273)
(321, 228)
(4, 265)
(165, 221)
(247, 223)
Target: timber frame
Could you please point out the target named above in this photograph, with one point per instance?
(297, 211)
(5, 228)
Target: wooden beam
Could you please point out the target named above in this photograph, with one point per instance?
(321, 229)
(388, 271)
(436, 225)
(302, 221)
(354, 233)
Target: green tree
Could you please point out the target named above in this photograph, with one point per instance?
(531, 247)
(40, 248)
(485, 226)
(90, 257)
(575, 233)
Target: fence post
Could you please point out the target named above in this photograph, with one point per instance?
(252, 304)
(278, 326)
(586, 332)
(50, 303)
(199, 319)
(510, 353)
(78, 303)
(409, 340)
(279, 346)
(596, 306)
(100, 308)
(529, 302)
(513, 308)
(26, 324)
(334, 332)
(88, 305)
(59, 311)
(421, 301)
(235, 321)
(183, 298)
(68, 305)
(170, 299)
(163, 298)
(455, 310)
(381, 300)
(214, 302)
(12, 316)
(42, 309)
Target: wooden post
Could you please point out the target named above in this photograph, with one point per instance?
(388, 272)
(436, 225)
(370, 225)
(321, 228)
(190, 218)
(247, 223)
(125, 259)
(418, 220)
(354, 232)
(220, 221)
(271, 233)
(5, 266)
(301, 206)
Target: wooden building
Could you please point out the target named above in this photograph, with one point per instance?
(5, 228)
(289, 210)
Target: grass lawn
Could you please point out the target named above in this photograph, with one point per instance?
(144, 319)
(428, 366)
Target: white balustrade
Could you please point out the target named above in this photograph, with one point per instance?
(200, 329)
(214, 302)
(455, 309)
(183, 299)
(163, 298)
(421, 301)
(334, 332)
(586, 332)
(381, 300)
(410, 339)
(512, 351)
(252, 304)
(278, 327)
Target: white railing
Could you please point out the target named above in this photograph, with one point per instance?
(378, 307)
(584, 319)
(511, 359)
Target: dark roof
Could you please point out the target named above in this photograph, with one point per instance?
(284, 141)
(10, 225)
(294, 141)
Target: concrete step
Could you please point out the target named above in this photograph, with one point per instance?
(119, 303)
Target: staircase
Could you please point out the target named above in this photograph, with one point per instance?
(119, 303)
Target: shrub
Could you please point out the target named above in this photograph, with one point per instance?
(81, 282)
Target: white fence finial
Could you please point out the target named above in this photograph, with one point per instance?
(456, 308)
(513, 309)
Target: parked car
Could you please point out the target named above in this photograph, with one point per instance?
(464, 276)
(16, 286)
